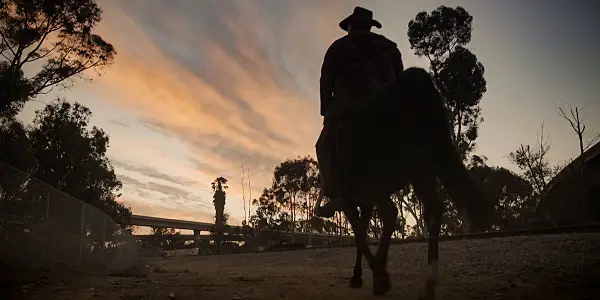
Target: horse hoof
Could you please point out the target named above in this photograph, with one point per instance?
(381, 283)
(355, 283)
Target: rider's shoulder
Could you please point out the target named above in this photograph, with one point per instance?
(371, 37)
(340, 41)
(383, 39)
(338, 45)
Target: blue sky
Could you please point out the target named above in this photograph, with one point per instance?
(197, 85)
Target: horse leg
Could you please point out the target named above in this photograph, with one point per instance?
(426, 191)
(366, 211)
(360, 232)
(389, 213)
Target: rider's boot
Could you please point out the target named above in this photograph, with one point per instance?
(325, 158)
(334, 201)
(329, 209)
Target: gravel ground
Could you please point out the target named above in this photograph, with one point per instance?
(533, 267)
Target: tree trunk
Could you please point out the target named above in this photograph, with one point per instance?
(402, 232)
(418, 220)
(423, 221)
(293, 210)
(581, 148)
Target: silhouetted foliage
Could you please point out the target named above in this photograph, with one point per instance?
(72, 157)
(291, 184)
(219, 185)
(288, 204)
(406, 200)
(15, 150)
(534, 163)
(14, 92)
(268, 212)
(401, 226)
(440, 36)
(55, 34)
(161, 235)
(510, 192)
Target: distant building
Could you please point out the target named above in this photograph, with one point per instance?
(573, 195)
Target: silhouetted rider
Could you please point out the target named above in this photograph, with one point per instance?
(357, 67)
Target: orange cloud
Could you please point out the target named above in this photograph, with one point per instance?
(252, 95)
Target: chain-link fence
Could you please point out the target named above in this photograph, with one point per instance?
(42, 227)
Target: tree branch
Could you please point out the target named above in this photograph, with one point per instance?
(564, 116)
(8, 45)
(47, 52)
(3, 55)
(416, 216)
(37, 47)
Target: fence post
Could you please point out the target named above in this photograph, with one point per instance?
(82, 232)
(47, 227)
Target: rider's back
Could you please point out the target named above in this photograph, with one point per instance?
(369, 62)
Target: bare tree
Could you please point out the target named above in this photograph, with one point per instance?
(533, 161)
(576, 123)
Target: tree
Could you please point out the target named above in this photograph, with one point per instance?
(295, 189)
(577, 124)
(407, 200)
(57, 36)
(534, 163)
(17, 163)
(510, 193)
(267, 210)
(291, 183)
(161, 235)
(219, 186)
(375, 225)
(72, 157)
(16, 152)
(440, 37)
(401, 221)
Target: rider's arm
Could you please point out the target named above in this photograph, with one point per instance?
(327, 79)
(397, 61)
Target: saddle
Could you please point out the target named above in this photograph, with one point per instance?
(334, 148)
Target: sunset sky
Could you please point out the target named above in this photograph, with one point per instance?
(198, 84)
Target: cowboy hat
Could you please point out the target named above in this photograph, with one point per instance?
(360, 15)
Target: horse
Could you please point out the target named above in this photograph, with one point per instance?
(402, 137)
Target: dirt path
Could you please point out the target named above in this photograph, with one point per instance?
(538, 267)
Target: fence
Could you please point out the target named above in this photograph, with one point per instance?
(42, 227)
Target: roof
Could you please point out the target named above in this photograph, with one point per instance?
(591, 153)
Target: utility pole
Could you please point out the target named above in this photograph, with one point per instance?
(250, 192)
(243, 193)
